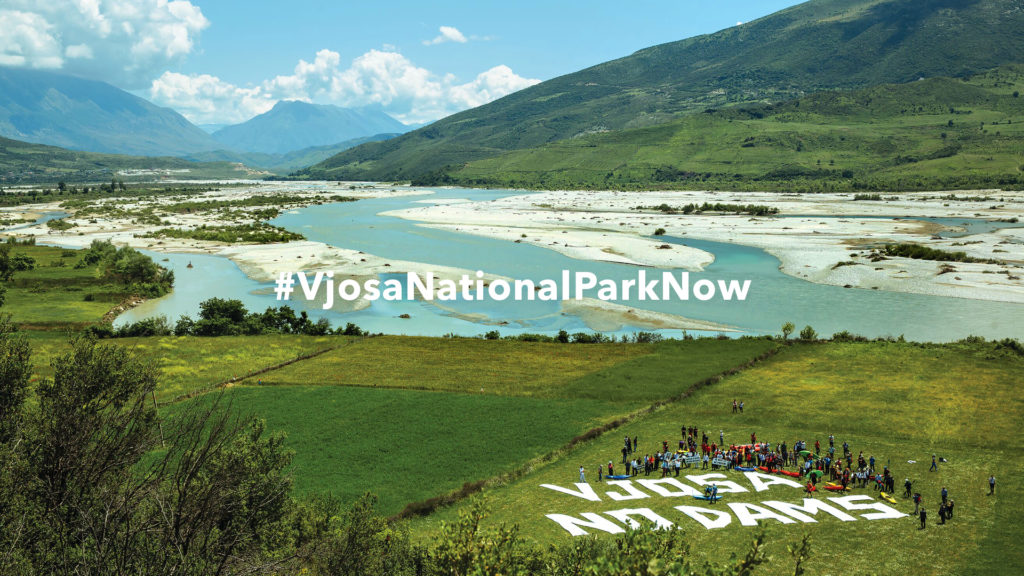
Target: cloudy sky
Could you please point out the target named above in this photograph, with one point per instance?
(222, 61)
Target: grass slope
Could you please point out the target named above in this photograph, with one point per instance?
(898, 402)
(940, 133)
(817, 45)
(409, 445)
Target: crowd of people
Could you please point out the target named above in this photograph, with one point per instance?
(812, 463)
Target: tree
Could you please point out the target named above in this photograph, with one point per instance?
(787, 329)
(808, 333)
(95, 482)
(9, 264)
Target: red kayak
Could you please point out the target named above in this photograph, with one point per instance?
(788, 473)
(765, 469)
(834, 488)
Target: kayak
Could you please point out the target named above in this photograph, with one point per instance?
(788, 473)
(764, 469)
(619, 477)
(835, 488)
(888, 497)
(744, 468)
(707, 497)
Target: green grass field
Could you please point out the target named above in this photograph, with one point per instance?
(188, 364)
(612, 372)
(898, 402)
(409, 445)
(57, 296)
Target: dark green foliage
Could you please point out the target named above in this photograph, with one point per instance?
(137, 272)
(229, 317)
(808, 333)
(95, 483)
(9, 264)
(752, 209)
(257, 233)
(919, 252)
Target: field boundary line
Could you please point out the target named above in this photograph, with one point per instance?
(234, 379)
(427, 507)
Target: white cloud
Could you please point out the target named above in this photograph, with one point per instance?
(448, 34)
(127, 42)
(206, 99)
(490, 85)
(379, 77)
(28, 40)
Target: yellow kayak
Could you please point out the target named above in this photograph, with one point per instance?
(888, 497)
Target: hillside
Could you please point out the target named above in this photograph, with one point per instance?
(293, 125)
(60, 110)
(287, 162)
(25, 163)
(821, 44)
(939, 133)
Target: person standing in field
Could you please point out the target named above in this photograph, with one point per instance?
(924, 516)
(598, 472)
(907, 485)
(741, 406)
(581, 475)
(991, 485)
(735, 406)
(934, 465)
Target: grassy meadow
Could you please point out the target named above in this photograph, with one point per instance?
(896, 401)
(57, 296)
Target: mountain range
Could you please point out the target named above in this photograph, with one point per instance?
(814, 46)
(86, 115)
(293, 125)
(60, 110)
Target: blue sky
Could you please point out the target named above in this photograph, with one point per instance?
(537, 39)
(221, 61)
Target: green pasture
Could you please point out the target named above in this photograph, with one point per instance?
(898, 402)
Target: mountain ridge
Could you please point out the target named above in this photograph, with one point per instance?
(821, 44)
(293, 125)
(65, 111)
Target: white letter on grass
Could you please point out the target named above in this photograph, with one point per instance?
(709, 519)
(749, 514)
(584, 491)
(657, 487)
(849, 502)
(631, 492)
(593, 521)
(724, 486)
(810, 506)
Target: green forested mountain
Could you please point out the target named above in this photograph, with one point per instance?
(818, 45)
(25, 163)
(939, 133)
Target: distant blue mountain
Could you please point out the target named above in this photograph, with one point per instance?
(61, 110)
(293, 125)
